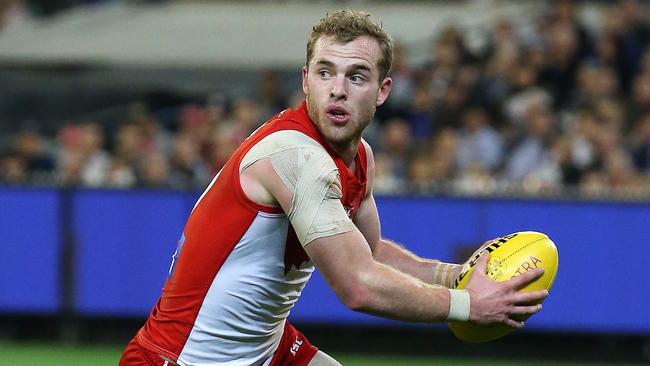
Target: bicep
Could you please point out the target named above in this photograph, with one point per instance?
(308, 191)
(367, 218)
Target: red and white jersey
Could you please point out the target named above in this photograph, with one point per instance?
(239, 268)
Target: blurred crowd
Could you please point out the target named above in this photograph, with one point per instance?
(543, 108)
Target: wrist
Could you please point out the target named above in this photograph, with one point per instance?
(459, 305)
(454, 275)
(444, 274)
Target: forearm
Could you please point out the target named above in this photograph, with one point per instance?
(364, 284)
(427, 270)
(390, 293)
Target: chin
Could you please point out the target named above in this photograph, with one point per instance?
(340, 138)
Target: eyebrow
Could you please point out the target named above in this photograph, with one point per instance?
(355, 67)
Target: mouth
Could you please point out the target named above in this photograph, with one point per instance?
(337, 114)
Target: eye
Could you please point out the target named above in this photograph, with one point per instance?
(357, 78)
(324, 74)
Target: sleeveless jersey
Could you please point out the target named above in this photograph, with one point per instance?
(239, 267)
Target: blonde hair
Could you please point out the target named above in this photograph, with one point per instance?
(346, 26)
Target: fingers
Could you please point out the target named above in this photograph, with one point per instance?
(481, 263)
(486, 243)
(514, 324)
(525, 278)
(483, 246)
(526, 310)
(529, 297)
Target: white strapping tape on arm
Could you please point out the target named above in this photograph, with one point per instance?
(316, 210)
(308, 171)
(314, 179)
(459, 305)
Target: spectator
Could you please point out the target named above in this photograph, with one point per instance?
(396, 142)
(387, 181)
(154, 171)
(402, 74)
(584, 137)
(120, 174)
(420, 118)
(559, 75)
(95, 161)
(245, 118)
(152, 134)
(563, 160)
(442, 153)
(479, 145)
(619, 171)
(420, 171)
(474, 179)
(594, 83)
(270, 95)
(188, 170)
(69, 156)
(531, 158)
(195, 122)
(631, 34)
(129, 145)
(448, 54)
(447, 112)
(593, 184)
(13, 169)
(36, 154)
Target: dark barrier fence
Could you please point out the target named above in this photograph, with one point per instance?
(106, 253)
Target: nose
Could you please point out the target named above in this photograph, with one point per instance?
(339, 88)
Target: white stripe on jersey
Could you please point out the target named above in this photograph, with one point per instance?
(242, 316)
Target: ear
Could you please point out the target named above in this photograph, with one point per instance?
(384, 90)
(305, 72)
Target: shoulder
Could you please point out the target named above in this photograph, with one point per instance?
(370, 158)
(292, 147)
(370, 167)
(290, 139)
(292, 142)
(280, 163)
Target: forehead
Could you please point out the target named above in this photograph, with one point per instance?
(363, 49)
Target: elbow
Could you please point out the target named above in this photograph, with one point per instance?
(357, 296)
(358, 301)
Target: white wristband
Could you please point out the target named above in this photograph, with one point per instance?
(458, 305)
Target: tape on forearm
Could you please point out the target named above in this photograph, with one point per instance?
(444, 274)
(459, 305)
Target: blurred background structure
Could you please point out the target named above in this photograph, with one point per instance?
(121, 112)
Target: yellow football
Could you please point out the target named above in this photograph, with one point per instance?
(510, 256)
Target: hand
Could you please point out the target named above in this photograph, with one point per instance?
(494, 302)
(459, 268)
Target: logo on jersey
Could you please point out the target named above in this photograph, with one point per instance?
(181, 241)
(296, 345)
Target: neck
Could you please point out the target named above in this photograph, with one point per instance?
(346, 152)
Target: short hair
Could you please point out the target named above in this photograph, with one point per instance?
(346, 26)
